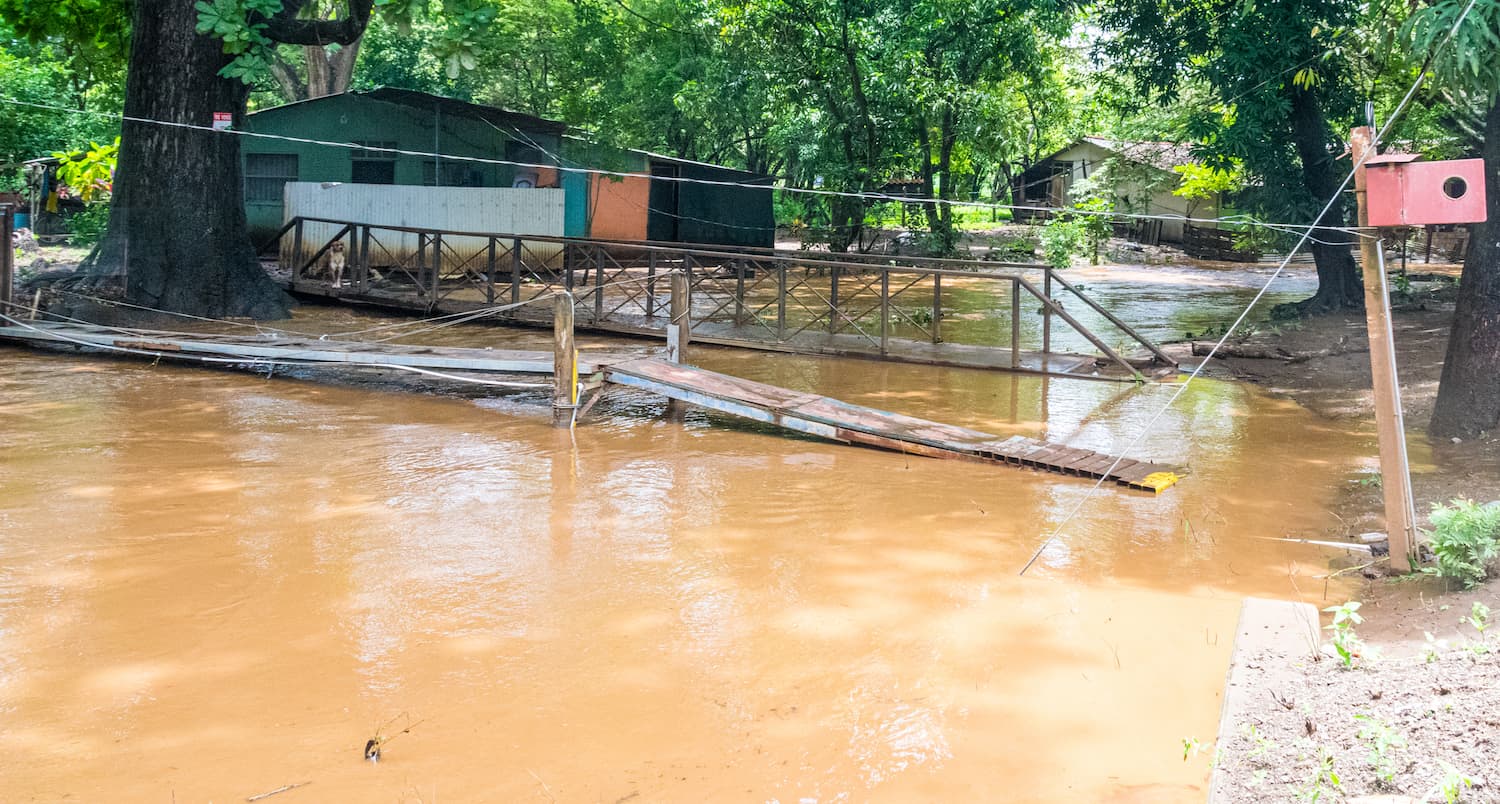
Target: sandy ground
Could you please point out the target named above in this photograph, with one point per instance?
(1385, 727)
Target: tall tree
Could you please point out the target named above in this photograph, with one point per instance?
(177, 239)
(1281, 84)
(957, 55)
(1468, 400)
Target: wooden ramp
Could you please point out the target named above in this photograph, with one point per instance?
(854, 424)
(794, 410)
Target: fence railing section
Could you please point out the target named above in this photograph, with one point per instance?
(866, 303)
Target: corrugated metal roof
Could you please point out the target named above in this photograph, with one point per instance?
(448, 106)
(1157, 154)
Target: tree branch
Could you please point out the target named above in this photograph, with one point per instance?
(287, 28)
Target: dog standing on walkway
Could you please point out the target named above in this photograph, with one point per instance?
(336, 263)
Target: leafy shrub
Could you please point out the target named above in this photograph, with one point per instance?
(87, 226)
(1465, 537)
(1062, 237)
(1348, 644)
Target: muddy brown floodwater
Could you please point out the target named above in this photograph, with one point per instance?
(213, 585)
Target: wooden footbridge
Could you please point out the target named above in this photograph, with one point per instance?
(964, 313)
(572, 378)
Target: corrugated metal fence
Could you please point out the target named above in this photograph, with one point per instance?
(461, 209)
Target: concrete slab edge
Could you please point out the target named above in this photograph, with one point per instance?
(1270, 630)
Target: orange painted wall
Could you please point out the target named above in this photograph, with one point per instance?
(617, 209)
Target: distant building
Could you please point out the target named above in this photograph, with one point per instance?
(464, 135)
(1146, 189)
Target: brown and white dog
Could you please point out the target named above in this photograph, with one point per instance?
(336, 262)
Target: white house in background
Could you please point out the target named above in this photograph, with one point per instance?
(1145, 183)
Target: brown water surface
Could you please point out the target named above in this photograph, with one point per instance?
(213, 584)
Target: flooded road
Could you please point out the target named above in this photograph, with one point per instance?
(213, 585)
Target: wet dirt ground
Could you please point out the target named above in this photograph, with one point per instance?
(213, 584)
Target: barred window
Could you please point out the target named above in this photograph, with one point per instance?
(373, 162)
(266, 175)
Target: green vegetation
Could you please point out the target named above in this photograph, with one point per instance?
(1324, 779)
(1345, 641)
(1465, 539)
(1453, 784)
(1383, 742)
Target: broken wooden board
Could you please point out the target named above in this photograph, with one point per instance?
(848, 423)
(299, 349)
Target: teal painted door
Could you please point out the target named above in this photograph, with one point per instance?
(575, 203)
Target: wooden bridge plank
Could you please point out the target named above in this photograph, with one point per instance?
(862, 425)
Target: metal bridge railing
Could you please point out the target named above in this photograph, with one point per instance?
(793, 299)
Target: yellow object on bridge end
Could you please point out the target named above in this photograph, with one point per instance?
(1156, 481)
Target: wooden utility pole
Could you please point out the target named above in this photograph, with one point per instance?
(564, 362)
(1395, 475)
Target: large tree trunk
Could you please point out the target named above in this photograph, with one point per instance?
(1339, 285)
(1468, 399)
(329, 72)
(177, 220)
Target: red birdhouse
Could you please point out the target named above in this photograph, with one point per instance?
(1402, 191)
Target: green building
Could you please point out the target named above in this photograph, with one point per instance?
(447, 142)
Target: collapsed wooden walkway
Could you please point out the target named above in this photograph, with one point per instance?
(802, 412)
(854, 424)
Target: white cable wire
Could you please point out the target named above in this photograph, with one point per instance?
(1390, 121)
(866, 196)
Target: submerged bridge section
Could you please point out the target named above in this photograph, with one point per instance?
(964, 313)
(802, 412)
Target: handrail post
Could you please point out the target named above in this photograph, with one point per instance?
(437, 264)
(598, 283)
(7, 258)
(515, 271)
(651, 284)
(680, 327)
(937, 308)
(885, 312)
(364, 259)
(421, 274)
(1047, 310)
(1015, 323)
(564, 362)
(296, 251)
(833, 300)
(679, 330)
(489, 273)
(781, 300)
(739, 293)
